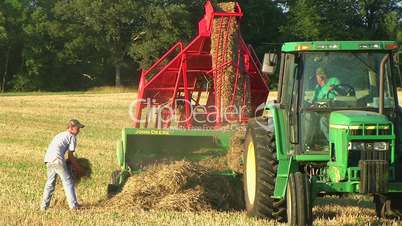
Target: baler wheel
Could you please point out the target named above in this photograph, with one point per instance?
(115, 178)
(114, 185)
(260, 173)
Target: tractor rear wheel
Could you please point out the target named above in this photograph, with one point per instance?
(260, 168)
(298, 200)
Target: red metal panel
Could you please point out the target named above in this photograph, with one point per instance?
(186, 73)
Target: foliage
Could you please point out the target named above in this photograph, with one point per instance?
(78, 44)
(164, 23)
(342, 20)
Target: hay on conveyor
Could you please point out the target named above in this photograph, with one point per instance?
(179, 186)
(225, 42)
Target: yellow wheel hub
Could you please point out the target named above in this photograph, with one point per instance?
(251, 173)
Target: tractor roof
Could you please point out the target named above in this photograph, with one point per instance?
(339, 46)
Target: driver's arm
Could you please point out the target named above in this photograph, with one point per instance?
(333, 82)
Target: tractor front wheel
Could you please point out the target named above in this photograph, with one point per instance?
(260, 168)
(298, 200)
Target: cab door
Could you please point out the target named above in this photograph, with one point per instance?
(288, 98)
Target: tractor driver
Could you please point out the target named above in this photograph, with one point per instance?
(324, 90)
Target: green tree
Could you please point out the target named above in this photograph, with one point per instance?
(163, 25)
(320, 20)
(3, 41)
(123, 31)
(377, 16)
(325, 20)
(261, 22)
(103, 27)
(3, 33)
(12, 14)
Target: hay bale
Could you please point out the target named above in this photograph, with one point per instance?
(178, 186)
(85, 173)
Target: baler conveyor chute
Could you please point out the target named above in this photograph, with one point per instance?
(187, 107)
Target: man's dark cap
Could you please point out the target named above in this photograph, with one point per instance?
(75, 123)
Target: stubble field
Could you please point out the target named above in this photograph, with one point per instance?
(28, 123)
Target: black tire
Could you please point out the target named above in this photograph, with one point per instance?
(388, 206)
(291, 202)
(379, 203)
(260, 167)
(114, 185)
(309, 200)
(298, 200)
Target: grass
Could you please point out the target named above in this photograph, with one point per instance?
(28, 123)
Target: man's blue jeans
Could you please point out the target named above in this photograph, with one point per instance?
(59, 167)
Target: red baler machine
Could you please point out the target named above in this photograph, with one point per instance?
(186, 78)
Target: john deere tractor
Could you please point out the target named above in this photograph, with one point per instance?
(335, 128)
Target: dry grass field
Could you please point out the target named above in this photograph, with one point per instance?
(27, 124)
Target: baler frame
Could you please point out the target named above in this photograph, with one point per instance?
(185, 70)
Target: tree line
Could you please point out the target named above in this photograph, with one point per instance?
(54, 45)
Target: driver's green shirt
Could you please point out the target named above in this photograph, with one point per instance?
(322, 93)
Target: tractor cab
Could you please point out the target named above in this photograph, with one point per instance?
(318, 78)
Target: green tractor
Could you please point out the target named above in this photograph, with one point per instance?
(335, 128)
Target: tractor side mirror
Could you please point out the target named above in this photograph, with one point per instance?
(269, 63)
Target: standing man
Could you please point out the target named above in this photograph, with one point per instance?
(56, 164)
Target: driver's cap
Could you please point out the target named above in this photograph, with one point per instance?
(320, 71)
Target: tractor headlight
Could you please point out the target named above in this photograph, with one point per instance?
(380, 146)
(367, 146)
(356, 145)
